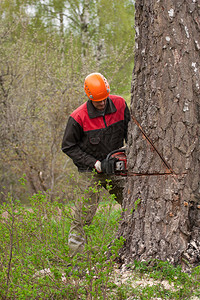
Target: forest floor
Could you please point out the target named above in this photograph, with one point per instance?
(129, 278)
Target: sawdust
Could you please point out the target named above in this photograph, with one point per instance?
(128, 277)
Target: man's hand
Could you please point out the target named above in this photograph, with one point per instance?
(98, 166)
(108, 166)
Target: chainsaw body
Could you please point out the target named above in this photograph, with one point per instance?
(120, 165)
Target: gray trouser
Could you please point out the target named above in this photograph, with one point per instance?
(90, 186)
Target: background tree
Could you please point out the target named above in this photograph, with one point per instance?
(161, 217)
(35, 89)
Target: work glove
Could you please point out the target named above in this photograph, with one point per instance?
(108, 166)
(98, 166)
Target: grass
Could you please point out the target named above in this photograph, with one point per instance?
(35, 239)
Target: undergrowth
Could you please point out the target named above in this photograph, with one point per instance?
(34, 260)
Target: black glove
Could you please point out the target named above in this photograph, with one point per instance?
(108, 166)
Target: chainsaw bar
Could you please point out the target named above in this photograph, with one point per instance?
(153, 174)
(147, 174)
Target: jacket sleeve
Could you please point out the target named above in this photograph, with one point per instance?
(70, 145)
(127, 118)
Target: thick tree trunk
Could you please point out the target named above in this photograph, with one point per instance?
(165, 222)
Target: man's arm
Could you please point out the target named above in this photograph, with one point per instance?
(70, 145)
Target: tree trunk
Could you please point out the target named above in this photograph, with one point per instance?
(84, 20)
(161, 216)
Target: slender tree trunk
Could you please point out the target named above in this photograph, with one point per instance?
(62, 35)
(84, 19)
(161, 217)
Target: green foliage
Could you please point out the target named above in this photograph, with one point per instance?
(137, 202)
(35, 238)
(34, 260)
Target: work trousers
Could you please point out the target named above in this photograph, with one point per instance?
(92, 190)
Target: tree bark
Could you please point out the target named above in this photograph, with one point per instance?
(165, 222)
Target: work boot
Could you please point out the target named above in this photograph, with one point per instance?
(76, 244)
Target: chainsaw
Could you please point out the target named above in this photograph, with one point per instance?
(119, 165)
(120, 161)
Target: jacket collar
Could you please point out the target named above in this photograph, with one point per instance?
(94, 113)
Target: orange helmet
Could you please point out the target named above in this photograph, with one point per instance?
(96, 87)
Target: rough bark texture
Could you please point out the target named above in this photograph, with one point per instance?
(165, 223)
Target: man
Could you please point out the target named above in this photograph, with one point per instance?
(93, 130)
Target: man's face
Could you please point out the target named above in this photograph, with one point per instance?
(100, 105)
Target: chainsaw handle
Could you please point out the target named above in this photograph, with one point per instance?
(113, 152)
(108, 166)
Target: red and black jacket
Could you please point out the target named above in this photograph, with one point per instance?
(90, 135)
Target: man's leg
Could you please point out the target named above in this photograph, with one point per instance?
(85, 209)
(87, 204)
